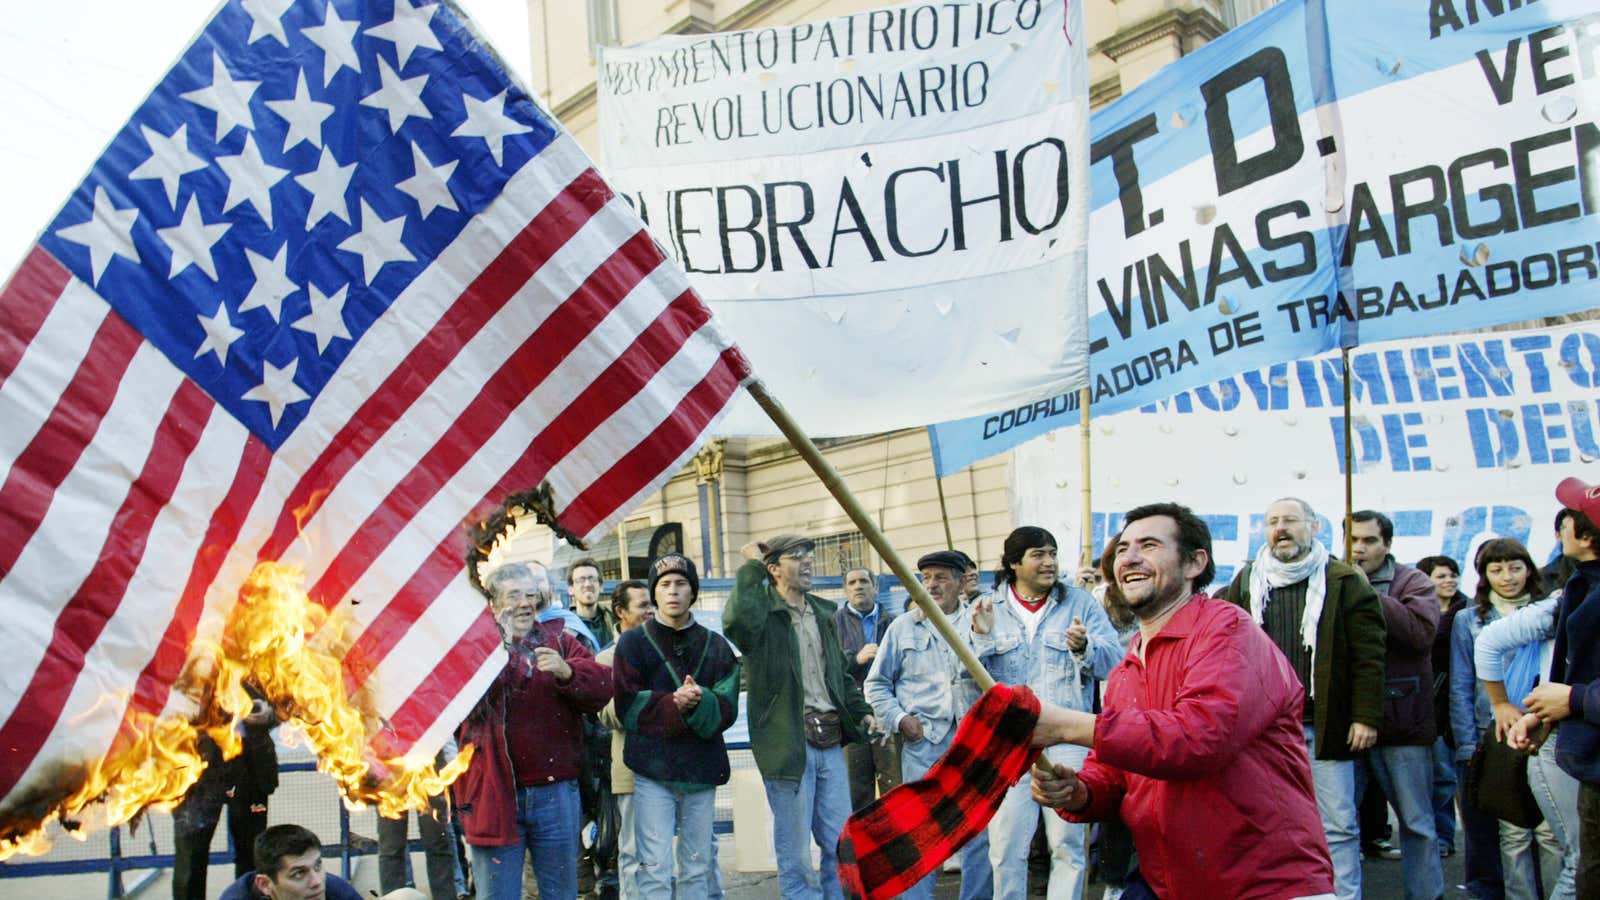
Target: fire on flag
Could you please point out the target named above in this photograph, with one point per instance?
(337, 284)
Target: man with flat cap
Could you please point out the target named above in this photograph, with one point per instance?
(803, 706)
(920, 690)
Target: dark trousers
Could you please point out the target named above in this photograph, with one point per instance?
(194, 826)
(1588, 881)
(438, 847)
(874, 769)
(246, 820)
(1480, 839)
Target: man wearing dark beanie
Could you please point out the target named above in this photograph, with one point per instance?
(677, 691)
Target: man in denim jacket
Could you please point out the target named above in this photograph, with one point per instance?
(1032, 629)
(920, 691)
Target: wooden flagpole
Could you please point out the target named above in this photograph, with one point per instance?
(1086, 519)
(869, 529)
(1349, 456)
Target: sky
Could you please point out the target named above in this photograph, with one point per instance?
(73, 71)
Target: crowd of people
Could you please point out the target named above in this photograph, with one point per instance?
(1223, 744)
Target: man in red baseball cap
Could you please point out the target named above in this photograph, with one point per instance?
(1569, 700)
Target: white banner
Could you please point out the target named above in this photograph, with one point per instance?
(887, 209)
(1457, 439)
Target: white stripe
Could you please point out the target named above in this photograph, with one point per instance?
(62, 551)
(444, 625)
(111, 669)
(635, 419)
(47, 366)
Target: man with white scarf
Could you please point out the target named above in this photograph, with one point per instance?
(1328, 622)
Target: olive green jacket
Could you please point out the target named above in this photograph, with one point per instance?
(1348, 674)
(757, 621)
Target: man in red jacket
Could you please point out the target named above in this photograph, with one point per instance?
(1200, 746)
(520, 794)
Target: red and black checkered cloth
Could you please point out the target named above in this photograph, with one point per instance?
(898, 839)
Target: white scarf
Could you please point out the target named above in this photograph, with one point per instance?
(1268, 573)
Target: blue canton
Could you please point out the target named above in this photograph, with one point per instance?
(295, 171)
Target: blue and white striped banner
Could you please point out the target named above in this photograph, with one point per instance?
(1330, 173)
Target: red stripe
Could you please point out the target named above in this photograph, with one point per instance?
(604, 396)
(150, 693)
(651, 456)
(523, 371)
(25, 304)
(418, 713)
(44, 463)
(100, 595)
(488, 293)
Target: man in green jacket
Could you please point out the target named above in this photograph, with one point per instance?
(802, 707)
(1328, 622)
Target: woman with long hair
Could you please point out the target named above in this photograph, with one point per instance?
(1507, 581)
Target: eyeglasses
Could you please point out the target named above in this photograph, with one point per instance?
(799, 555)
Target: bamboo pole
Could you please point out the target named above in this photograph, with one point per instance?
(944, 511)
(869, 529)
(1349, 475)
(1086, 521)
(622, 548)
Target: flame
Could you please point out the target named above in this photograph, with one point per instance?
(289, 650)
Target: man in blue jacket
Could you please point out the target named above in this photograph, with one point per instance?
(1033, 629)
(289, 867)
(1572, 695)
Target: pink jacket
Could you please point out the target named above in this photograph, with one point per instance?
(1202, 752)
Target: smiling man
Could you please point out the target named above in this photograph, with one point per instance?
(583, 585)
(802, 705)
(1199, 747)
(523, 797)
(1328, 621)
(677, 691)
(1035, 630)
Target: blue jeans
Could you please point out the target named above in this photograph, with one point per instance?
(1011, 836)
(977, 876)
(627, 850)
(1557, 793)
(1521, 850)
(814, 807)
(547, 823)
(1335, 783)
(1444, 794)
(1406, 775)
(661, 812)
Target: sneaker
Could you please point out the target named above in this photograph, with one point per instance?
(1380, 849)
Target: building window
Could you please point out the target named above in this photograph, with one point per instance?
(838, 553)
(603, 26)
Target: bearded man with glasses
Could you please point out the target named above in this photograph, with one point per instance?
(1327, 620)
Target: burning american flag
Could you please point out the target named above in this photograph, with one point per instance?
(338, 283)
